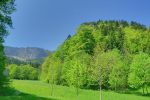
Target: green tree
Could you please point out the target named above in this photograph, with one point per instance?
(140, 72)
(6, 8)
(74, 73)
(54, 72)
(24, 72)
(13, 71)
(86, 41)
(105, 65)
(118, 76)
(34, 74)
(44, 69)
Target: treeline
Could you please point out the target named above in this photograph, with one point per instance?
(34, 62)
(7, 7)
(23, 72)
(111, 54)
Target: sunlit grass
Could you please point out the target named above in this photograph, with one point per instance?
(37, 90)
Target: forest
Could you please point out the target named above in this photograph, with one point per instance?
(112, 54)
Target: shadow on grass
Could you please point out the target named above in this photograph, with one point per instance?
(137, 93)
(134, 92)
(12, 94)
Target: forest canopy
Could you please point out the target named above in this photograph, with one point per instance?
(102, 53)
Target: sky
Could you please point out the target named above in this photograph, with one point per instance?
(47, 23)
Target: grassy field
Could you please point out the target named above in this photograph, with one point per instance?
(36, 90)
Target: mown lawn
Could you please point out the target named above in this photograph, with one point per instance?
(37, 90)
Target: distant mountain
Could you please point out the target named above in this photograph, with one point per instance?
(28, 53)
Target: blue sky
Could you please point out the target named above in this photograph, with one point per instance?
(47, 23)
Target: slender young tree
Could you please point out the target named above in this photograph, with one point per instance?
(97, 72)
(54, 72)
(75, 73)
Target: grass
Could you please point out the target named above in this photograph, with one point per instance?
(37, 90)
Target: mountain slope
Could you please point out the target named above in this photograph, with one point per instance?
(27, 53)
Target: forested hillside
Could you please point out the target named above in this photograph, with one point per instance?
(111, 54)
(27, 53)
(24, 56)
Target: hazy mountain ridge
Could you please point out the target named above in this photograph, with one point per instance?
(26, 53)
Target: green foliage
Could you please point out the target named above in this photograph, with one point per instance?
(3, 73)
(109, 70)
(76, 71)
(140, 71)
(100, 53)
(119, 74)
(6, 8)
(44, 69)
(54, 71)
(85, 39)
(23, 72)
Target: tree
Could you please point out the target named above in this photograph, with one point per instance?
(85, 39)
(44, 69)
(23, 72)
(54, 72)
(13, 71)
(105, 65)
(140, 72)
(6, 8)
(34, 74)
(68, 37)
(119, 74)
(75, 71)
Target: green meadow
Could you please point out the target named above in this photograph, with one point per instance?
(37, 90)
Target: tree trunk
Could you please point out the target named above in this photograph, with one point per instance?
(115, 86)
(100, 91)
(143, 90)
(77, 92)
(52, 89)
(146, 89)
